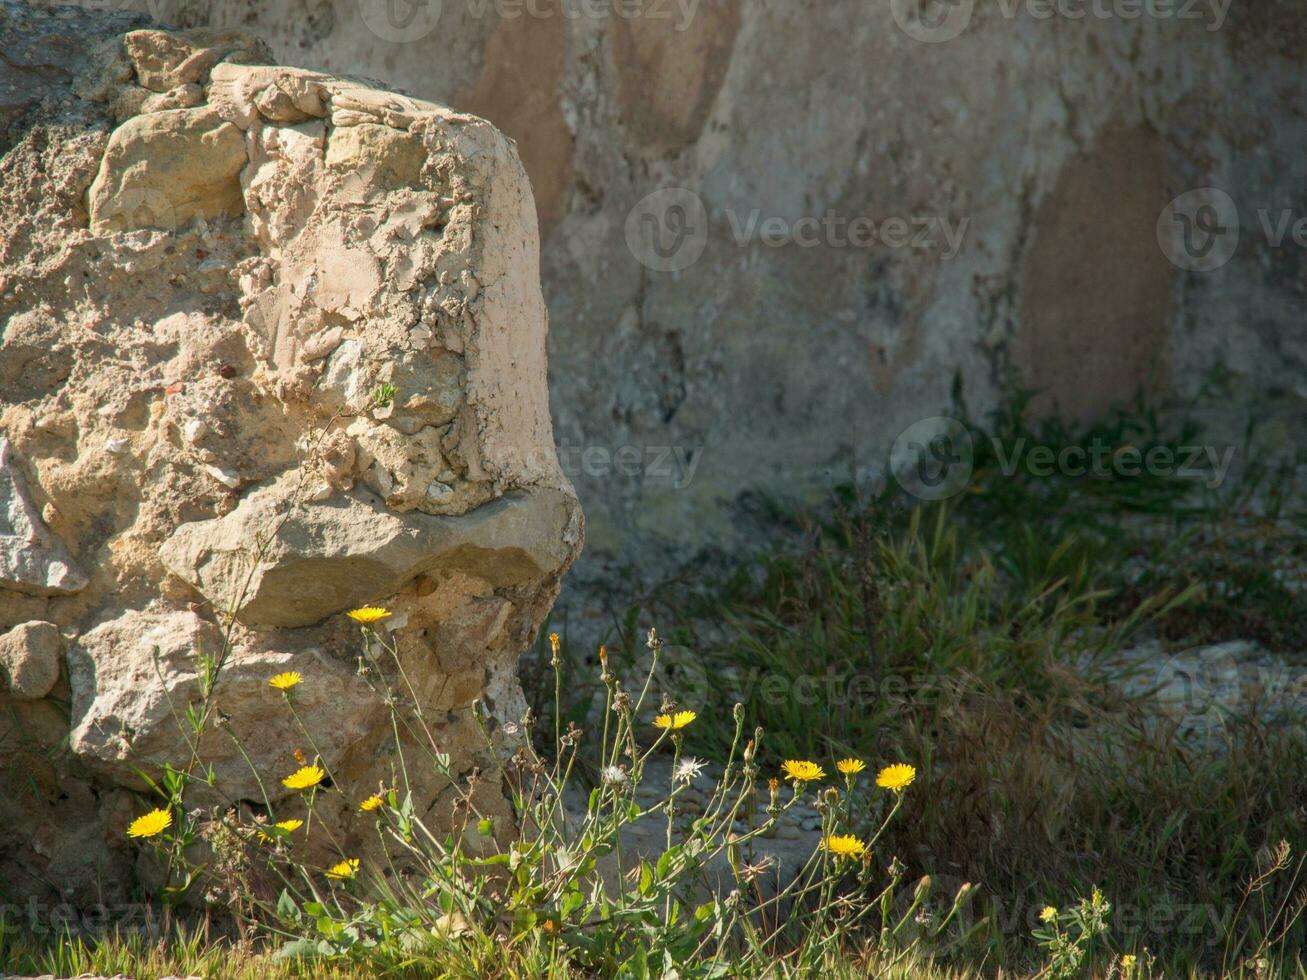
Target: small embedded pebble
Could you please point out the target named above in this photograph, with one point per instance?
(194, 430)
(225, 477)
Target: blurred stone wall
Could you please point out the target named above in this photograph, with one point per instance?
(877, 197)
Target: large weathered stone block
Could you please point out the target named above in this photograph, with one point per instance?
(132, 674)
(213, 273)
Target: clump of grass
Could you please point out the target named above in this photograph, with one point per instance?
(177, 949)
(554, 894)
(978, 637)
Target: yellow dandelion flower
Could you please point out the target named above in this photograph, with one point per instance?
(373, 802)
(845, 846)
(1048, 914)
(304, 778)
(284, 682)
(345, 869)
(368, 614)
(802, 771)
(553, 642)
(897, 777)
(284, 826)
(676, 721)
(151, 825)
(1128, 961)
(850, 767)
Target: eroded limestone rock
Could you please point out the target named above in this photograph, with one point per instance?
(32, 560)
(29, 659)
(350, 550)
(129, 674)
(212, 272)
(164, 60)
(163, 169)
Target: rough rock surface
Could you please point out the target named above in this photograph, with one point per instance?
(32, 560)
(209, 269)
(29, 659)
(1007, 167)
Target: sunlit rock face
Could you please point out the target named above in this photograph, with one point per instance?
(272, 347)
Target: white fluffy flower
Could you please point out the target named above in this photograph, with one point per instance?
(613, 776)
(688, 769)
